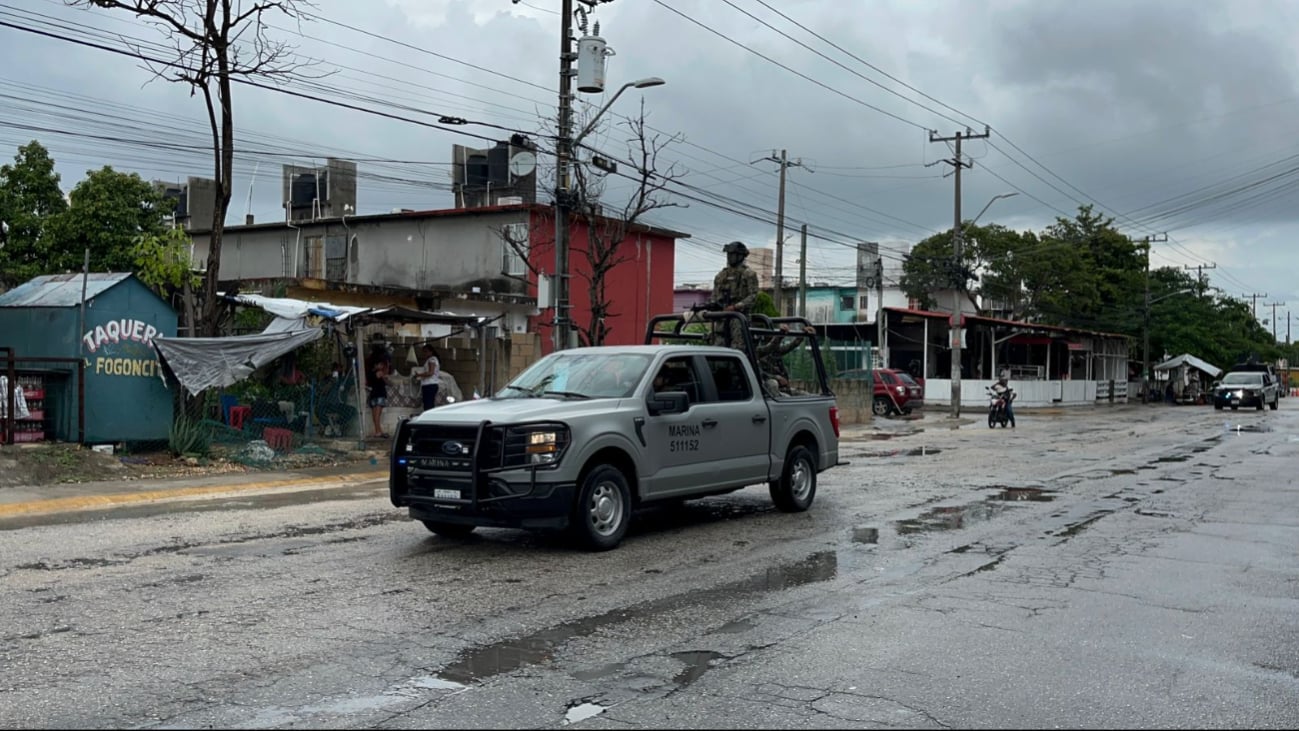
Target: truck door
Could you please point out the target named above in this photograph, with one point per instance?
(680, 444)
(743, 422)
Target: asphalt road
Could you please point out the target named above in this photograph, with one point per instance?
(1111, 567)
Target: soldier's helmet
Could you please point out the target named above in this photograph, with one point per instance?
(736, 247)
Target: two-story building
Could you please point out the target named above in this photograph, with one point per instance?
(493, 261)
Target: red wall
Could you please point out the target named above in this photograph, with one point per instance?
(637, 289)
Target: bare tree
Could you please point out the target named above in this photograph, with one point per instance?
(217, 43)
(608, 227)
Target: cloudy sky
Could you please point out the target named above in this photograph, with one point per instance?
(1170, 116)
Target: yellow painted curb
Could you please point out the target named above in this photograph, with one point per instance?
(99, 501)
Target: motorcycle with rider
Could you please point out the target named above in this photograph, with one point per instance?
(1000, 399)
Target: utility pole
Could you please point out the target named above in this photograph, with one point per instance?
(562, 325)
(957, 164)
(1199, 276)
(1254, 306)
(1274, 305)
(1145, 322)
(785, 163)
(802, 274)
(879, 313)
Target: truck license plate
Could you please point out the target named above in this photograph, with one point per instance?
(447, 494)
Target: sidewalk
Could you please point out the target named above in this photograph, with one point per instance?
(32, 499)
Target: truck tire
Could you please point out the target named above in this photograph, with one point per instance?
(603, 509)
(1276, 403)
(449, 530)
(881, 406)
(794, 491)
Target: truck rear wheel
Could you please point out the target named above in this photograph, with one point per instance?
(881, 406)
(603, 509)
(794, 491)
(449, 530)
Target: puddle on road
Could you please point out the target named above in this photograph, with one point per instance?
(951, 518)
(697, 663)
(736, 627)
(1174, 458)
(479, 663)
(865, 535)
(1238, 428)
(1031, 494)
(955, 517)
(913, 452)
(580, 711)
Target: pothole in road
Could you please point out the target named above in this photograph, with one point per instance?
(480, 663)
(914, 452)
(955, 517)
(866, 535)
(697, 663)
(580, 711)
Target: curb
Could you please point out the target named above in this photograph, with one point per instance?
(87, 502)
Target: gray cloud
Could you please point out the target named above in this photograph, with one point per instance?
(1133, 103)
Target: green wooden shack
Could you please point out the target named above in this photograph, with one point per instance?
(126, 398)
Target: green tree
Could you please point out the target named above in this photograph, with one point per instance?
(989, 268)
(109, 212)
(30, 199)
(162, 260)
(1110, 276)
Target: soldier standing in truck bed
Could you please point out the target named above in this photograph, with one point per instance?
(735, 289)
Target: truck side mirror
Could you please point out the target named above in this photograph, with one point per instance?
(667, 402)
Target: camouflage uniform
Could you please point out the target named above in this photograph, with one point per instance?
(736, 286)
(771, 362)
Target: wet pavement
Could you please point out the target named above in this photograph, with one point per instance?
(1109, 567)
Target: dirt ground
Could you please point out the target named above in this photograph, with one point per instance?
(52, 464)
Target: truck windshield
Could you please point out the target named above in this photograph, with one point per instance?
(580, 374)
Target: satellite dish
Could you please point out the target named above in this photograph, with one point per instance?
(522, 163)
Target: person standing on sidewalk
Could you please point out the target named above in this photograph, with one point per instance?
(379, 396)
(428, 377)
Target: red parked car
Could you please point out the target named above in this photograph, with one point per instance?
(894, 391)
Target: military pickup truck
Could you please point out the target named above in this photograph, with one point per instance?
(584, 437)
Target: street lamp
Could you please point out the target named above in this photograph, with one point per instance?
(957, 232)
(995, 198)
(564, 148)
(637, 84)
(1145, 338)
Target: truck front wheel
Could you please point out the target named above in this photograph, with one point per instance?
(794, 491)
(603, 509)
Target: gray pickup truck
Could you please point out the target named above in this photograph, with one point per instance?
(583, 437)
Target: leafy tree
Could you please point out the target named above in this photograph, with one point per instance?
(992, 256)
(29, 199)
(109, 213)
(162, 261)
(765, 305)
(1110, 276)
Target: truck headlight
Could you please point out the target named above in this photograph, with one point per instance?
(542, 447)
(535, 445)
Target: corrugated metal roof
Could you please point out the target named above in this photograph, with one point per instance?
(60, 290)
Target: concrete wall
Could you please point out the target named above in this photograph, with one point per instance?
(449, 253)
